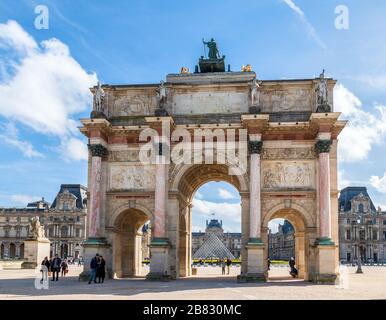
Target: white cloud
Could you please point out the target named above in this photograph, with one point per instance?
(74, 149)
(198, 195)
(20, 199)
(310, 29)
(379, 183)
(363, 129)
(13, 35)
(225, 194)
(10, 136)
(229, 212)
(273, 225)
(45, 86)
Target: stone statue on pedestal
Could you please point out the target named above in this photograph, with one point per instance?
(36, 246)
(322, 94)
(36, 230)
(98, 103)
(254, 91)
(99, 97)
(162, 97)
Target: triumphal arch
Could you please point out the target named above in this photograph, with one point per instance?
(151, 146)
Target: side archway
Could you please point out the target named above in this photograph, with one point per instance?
(127, 242)
(301, 220)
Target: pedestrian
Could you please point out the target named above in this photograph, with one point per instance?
(229, 263)
(294, 271)
(79, 261)
(55, 267)
(269, 263)
(101, 273)
(45, 267)
(93, 268)
(223, 264)
(64, 267)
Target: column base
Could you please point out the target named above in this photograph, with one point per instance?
(159, 260)
(327, 265)
(92, 246)
(325, 279)
(249, 277)
(256, 266)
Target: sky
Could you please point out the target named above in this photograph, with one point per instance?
(45, 74)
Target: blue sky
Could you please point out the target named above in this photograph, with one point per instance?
(45, 74)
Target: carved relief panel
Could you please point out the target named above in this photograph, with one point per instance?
(129, 177)
(288, 174)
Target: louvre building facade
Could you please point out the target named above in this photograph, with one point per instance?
(64, 223)
(362, 227)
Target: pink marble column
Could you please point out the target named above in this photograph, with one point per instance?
(160, 198)
(323, 148)
(255, 146)
(97, 151)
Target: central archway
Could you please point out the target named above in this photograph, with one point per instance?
(187, 181)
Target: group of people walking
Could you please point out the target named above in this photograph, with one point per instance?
(53, 266)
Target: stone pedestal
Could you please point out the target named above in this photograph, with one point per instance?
(159, 260)
(256, 270)
(91, 247)
(35, 250)
(327, 272)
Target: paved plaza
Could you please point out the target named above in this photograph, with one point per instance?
(208, 284)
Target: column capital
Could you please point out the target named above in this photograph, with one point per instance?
(97, 150)
(323, 146)
(255, 147)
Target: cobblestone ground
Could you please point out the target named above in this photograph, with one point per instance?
(208, 284)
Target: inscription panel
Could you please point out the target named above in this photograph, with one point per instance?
(210, 102)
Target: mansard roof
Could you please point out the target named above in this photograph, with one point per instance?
(347, 194)
(79, 191)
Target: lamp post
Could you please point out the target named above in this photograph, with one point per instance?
(359, 223)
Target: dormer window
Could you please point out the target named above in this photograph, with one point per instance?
(360, 208)
(65, 205)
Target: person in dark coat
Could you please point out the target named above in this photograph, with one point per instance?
(101, 272)
(64, 267)
(93, 268)
(55, 267)
(269, 263)
(294, 271)
(229, 263)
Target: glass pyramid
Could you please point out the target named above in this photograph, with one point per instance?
(213, 248)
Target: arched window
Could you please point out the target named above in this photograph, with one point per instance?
(360, 208)
(64, 231)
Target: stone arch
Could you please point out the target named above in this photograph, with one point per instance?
(179, 172)
(185, 180)
(126, 207)
(302, 221)
(126, 222)
(306, 218)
